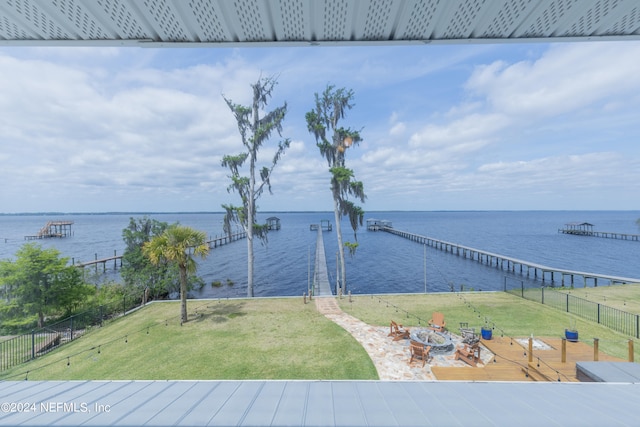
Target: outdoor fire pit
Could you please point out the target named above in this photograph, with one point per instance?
(439, 342)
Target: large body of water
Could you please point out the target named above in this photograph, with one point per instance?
(384, 263)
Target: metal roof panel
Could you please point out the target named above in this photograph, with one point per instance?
(321, 403)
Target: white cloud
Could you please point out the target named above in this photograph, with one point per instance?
(482, 122)
(566, 78)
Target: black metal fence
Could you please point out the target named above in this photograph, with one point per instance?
(618, 320)
(25, 347)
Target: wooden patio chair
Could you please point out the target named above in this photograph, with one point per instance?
(419, 352)
(437, 322)
(470, 354)
(398, 332)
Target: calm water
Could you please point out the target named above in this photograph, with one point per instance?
(383, 264)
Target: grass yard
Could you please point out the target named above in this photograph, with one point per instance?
(514, 316)
(282, 338)
(234, 339)
(622, 297)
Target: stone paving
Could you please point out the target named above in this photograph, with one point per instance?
(391, 358)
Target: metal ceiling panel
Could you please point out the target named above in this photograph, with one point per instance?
(418, 20)
(158, 23)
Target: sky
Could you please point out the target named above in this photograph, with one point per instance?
(458, 127)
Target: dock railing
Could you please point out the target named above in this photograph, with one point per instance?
(613, 318)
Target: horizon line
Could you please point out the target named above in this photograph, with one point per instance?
(42, 213)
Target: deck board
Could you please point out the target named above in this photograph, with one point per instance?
(511, 362)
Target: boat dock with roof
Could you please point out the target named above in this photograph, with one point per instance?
(378, 224)
(325, 225)
(586, 229)
(53, 229)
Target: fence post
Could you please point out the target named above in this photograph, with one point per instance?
(71, 329)
(101, 314)
(637, 326)
(542, 300)
(596, 344)
(564, 350)
(124, 305)
(567, 299)
(631, 355)
(33, 344)
(598, 313)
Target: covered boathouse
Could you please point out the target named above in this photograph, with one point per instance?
(579, 228)
(378, 224)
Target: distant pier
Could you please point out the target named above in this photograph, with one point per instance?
(115, 258)
(325, 225)
(227, 238)
(378, 224)
(213, 243)
(586, 229)
(532, 270)
(53, 229)
(273, 223)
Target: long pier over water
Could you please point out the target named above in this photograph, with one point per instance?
(213, 243)
(532, 270)
(321, 286)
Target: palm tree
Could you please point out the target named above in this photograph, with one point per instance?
(178, 244)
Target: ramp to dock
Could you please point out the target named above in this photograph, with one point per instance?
(321, 286)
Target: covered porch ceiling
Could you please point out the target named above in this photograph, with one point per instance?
(255, 23)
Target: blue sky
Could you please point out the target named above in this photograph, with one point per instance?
(456, 127)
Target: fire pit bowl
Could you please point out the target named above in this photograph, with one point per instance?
(439, 342)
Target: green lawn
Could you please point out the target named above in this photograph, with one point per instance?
(622, 297)
(234, 339)
(282, 338)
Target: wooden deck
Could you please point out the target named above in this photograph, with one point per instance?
(511, 362)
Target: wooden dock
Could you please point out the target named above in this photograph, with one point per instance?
(115, 258)
(514, 362)
(325, 225)
(586, 229)
(532, 270)
(53, 229)
(378, 224)
(213, 243)
(321, 286)
(223, 240)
